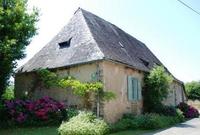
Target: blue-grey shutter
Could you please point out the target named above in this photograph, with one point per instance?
(139, 90)
(135, 88)
(130, 87)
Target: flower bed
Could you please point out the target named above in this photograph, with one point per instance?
(188, 110)
(45, 110)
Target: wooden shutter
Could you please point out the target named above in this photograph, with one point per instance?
(130, 88)
(135, 88)
(139, 90)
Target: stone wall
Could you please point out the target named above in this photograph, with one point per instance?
(113, 75)
(176, 94)
(24, 84)
(115, 79)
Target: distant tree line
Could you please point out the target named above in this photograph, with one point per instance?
(193, 90)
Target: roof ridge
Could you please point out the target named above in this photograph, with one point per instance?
(79, 9)
(90, 31)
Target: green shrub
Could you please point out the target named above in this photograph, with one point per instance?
(146, 121)
(156, 88)
(154, 121)
(122, 124)
(179, 115)
(83, 124)
(71, 112)
(193, 90)
(4, 122)
(9, 93)
(165, 110)
(128, 116)
(2, 111)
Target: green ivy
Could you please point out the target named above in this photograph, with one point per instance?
(8, 93)
(49, 79)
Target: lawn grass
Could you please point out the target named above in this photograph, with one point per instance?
(132, 132)
(53, 131)
(30, 131)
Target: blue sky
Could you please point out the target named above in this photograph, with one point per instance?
(169, 29)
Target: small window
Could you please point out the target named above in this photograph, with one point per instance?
(134, 89)
(65, 44)
(145, 62)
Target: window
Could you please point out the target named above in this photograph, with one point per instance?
(65, 44)
(145, 62)
(134, 89)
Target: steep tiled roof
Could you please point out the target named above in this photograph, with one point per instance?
(91, 38)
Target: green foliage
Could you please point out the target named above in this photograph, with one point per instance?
(83, 124)
(8, 93)
(3, 113)
(42, 130)
(180, 115)
(83, 89)
(165, 110)
(48, 78)
(188, 110)
(17, 27)
(121, 125)
(146, 121)
(72, 112)
(79, 88)
(155, 121)
(108, 95)
(193, 90)
(156, 88)
(44, 111)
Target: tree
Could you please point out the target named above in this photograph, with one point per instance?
(156, 88)
(17, 27)
(193, 90)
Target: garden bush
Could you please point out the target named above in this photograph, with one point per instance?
(179, 115)
(71, 112)
(8, 93)
(155, 121)
(165, 110)
(26, 112)
(156, 88)
(188, 110)
(84, 123)
(3, 113)
(121, 125)
(146, 121)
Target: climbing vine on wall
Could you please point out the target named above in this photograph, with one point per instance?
(49, 79)
(82, 89)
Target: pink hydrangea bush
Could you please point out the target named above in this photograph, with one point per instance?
(188, 110)
(44, 109)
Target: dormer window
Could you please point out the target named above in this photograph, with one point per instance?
(65, 44)
(145, 62)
